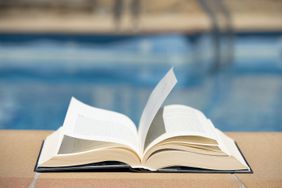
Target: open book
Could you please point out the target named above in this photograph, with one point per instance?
(169, 138)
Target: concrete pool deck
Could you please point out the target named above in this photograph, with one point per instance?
(159, 17)
(19, 150)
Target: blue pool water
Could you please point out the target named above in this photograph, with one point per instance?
(40, 73)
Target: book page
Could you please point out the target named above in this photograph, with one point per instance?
(232, 148)
(87, 122)
(156, 99)
(71, 145)
(51, 146)
(178, 120)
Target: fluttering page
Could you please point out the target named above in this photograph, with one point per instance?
(87, 122)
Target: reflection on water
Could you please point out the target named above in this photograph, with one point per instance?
(38, 77)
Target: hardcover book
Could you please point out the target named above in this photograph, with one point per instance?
(172, 138)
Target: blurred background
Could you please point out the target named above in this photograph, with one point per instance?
(110, 54)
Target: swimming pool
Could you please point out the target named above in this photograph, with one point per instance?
(39, 73)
